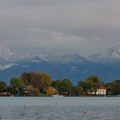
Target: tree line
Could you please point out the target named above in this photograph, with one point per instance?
(39, 84)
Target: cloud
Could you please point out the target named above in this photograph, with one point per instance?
(84, 25)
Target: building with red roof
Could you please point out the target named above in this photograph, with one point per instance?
(101, 90)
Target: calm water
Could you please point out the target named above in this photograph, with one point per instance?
(59, 108)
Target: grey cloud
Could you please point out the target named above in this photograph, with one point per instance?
(85, 25)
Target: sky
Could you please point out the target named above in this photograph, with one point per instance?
(74, 26)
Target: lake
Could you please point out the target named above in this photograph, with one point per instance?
(59, 108)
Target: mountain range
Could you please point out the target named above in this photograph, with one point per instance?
(60, 66)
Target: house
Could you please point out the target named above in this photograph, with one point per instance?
(101, 90)
(6, 91)
(28, 90)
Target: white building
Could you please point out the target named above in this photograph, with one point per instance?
(101, 90)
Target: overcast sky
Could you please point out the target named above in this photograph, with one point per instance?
(74, 26)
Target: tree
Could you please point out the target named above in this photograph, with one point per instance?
(57, 85)
(25, 77)
(115, 88)
(94, 87)
(108, 87)
(36, 79)
(90, 84)
(47, 80)
(2, 85)
(51, 91)
(65, 87)
(85, 85)
(36, 92)
(93, 82)
(16, 83)
(78, 90)
(93, 79)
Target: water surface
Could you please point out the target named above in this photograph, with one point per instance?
(60, 108)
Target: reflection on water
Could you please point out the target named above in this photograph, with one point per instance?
(62, 109)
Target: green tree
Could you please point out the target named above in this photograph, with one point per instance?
(16, 83)
(93, 79)
(108, 88)
(93, 82)
(57, 85)
(115, 88)
(63, 86)
(90, 84)
(79, 90)
(85, 85)
(2, 85)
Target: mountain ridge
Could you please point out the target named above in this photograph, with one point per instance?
(112, 54)
(60, 66)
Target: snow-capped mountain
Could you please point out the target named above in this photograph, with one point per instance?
(113, 52)
(51, 56)
(6, 54)
(68, 58)
(60, 66)
(111, 55)
(43, 55)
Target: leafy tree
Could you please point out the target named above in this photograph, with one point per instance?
(108, 87)
(93, 82)
(47, 80)
(94, 87)
(117, 81)
(85, 85)
(36, 92)
(2, 85)
(54, 83)
(57, 85)
(16, 83)
(73, 90)
(90, 84)
(36, 79)
(51, 91)
(115, 88)
(78, 90)
(25, 77)
(93, 79)
(65, 86)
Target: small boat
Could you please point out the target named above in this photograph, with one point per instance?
(57, 95)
